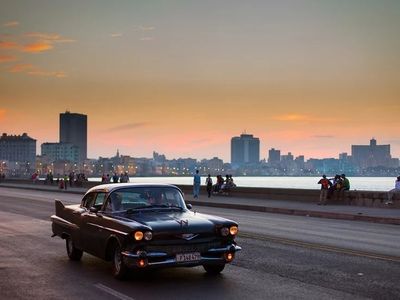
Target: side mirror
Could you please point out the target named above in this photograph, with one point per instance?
(189, 206)
(93, 209)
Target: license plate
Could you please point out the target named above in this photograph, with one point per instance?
(188, 257)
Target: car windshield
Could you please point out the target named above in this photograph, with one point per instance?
(144, 198)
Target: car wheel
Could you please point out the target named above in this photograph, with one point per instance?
(73, 253)
(214, 269)
(119, 269)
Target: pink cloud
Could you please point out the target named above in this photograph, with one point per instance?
(8, 45)
(21, 68)
(7, 58)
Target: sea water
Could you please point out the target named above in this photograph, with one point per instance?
(357, 183)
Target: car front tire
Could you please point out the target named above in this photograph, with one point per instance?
(119, 269)
(214, 269)
(73, 253)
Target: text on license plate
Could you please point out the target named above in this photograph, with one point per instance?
(185, 257)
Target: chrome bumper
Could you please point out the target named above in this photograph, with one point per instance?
(160, 259)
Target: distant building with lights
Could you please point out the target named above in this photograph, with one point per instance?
(245, 150)
(17, 148)
(73, 130)
(274, 157)
(60, 151)
(371, 155)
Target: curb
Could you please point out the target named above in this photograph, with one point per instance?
(275, 210)
(42, 189)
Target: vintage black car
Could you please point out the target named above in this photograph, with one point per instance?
(144, 226)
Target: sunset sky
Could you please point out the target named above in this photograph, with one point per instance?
(183, 77)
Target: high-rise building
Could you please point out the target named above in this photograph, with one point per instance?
(371, 155)
(245, 150)
(60, 151)
(73, 130)
(17, 148)
(274, 156)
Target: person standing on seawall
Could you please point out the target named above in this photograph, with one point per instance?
(196, 184)
(209, 184)
(325, 185)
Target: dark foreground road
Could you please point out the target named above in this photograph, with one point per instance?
(33, 265)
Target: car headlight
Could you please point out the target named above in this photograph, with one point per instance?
(224, 231)
(148, 235)
(233, 230)
(138, 235)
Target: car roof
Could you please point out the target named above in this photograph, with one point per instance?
(110, 187)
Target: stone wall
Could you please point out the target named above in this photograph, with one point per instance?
(352, 197)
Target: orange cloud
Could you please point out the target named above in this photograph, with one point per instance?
(7, 58)
(296, 118)
(37, 47)
(21, 68)
(8, 45)
(49, 37)
(35, 71)
(11, 24)
(57, 74)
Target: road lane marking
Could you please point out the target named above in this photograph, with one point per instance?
(320, 247)
(112, 292)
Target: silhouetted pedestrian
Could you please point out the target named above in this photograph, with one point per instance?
(196, 184)
(209, 184)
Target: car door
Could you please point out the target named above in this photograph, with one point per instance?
(92, 226)
(77, 218)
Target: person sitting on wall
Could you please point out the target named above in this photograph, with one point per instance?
(393, 191)
(345, 186)
(336, 185)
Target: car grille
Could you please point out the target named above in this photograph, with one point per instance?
(172, 249)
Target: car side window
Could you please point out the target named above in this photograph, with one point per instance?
(100, 198)
(88, 200)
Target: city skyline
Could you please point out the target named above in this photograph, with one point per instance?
(182, 78)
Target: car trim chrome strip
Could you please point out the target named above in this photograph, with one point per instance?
(151, 254)
(233, 248)
(109, 229)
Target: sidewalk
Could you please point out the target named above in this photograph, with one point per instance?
(342, 212)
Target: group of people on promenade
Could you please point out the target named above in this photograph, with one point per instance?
(122, 178)
(220, 187)
(338, 184)
(73, 179)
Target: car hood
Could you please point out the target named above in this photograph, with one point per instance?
(174, 221)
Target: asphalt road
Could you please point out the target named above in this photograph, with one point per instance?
(283, 257)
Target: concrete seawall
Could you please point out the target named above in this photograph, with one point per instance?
(353, 197)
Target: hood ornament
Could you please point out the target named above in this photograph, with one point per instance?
(188, 236)
(183, 222)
